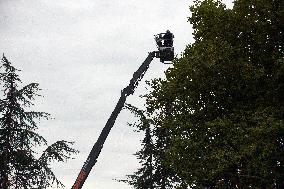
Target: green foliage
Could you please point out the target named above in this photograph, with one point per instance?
(221, 106)
(19, 168)
(153, 172)
(143, 177)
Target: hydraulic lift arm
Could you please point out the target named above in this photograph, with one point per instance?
(95, 152)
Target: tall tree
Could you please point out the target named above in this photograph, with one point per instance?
(153, 173)
(225, 128)
(143, 177)
(19, 168)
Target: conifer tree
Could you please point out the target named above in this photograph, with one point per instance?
(143, 177)
(19, 168)
(153, 173)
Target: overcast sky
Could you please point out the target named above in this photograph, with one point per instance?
(82, 53)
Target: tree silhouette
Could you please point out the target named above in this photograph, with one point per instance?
(19, 168)
(226, 124)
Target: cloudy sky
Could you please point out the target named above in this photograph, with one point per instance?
(82, 53)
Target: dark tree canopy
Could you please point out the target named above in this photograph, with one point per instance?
(19, 168)
(222, 103)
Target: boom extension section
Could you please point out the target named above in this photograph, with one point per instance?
(95, 152)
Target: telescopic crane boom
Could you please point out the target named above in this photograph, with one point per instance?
(165, 53)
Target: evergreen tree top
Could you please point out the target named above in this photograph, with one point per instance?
(19, 167)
